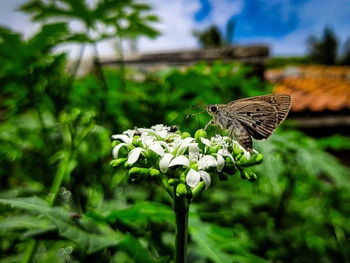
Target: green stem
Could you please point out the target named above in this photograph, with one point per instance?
(181, 208)
(61, 174)
(30, 251)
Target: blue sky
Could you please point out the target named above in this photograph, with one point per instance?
(282, 24)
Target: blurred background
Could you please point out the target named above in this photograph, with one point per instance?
(74, 72)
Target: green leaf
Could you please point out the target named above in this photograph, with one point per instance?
(220, 244)
(87, 234)
(135, 250)
(142, 212)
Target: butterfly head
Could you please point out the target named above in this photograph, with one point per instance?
(212, 109)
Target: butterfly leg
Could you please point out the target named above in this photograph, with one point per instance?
(210, 122)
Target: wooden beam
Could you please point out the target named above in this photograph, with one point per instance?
(245, 54)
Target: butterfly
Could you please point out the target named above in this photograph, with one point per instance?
(255, 117)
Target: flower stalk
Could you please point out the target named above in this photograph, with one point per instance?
(181, 208)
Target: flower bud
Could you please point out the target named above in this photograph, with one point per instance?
(154, 172)
(173, 181)
(181, 189)
(138, 173)
(117, 162)
(199, 134)
(127, 165)
(254, 160)
(185, 135)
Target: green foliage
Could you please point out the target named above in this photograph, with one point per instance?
(126, 18)
(324, 50)
(60, 199)
(212, 37)
(209, 38)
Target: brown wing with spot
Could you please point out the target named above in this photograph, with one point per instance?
(282, 103)
(258, 117)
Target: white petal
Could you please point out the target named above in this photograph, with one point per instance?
(130, 133)
(188, 140)
(180, 160)
(182, 148)
(147, 139)
(206, 178)
(193, 148)
(193, 152)
(123, 138)
(165, 145)
(225, 153)
(164, 162)
(220, 163)
(147, 131)
(206, 161)
(163, 134)
(206, 142)
(210, 160)
(134, 155)
(157, 149)
(117, 148)
(193, 177)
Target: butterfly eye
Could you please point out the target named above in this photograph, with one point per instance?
(213, 108)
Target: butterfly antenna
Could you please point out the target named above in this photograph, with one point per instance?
(194, 114)
(198, 106)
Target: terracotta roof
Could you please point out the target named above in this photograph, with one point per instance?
(314, 88)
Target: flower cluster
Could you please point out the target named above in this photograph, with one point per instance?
(184, 160)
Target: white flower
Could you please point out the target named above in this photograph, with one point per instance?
(173, 151)
(117, 148)
(180, 160)
(164, 162)
(134, 155)
(157, 148)
(226, 153)
(161, 130)
(220, 162)
(206, 142)
(193, 152)
(122, 137)
(206, 161)
(193, 178)
(185, 143)
(130, 133)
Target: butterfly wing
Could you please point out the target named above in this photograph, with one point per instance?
(258, 117)
(281, 102)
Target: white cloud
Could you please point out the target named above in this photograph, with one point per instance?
(176, 25)
(223, 10)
